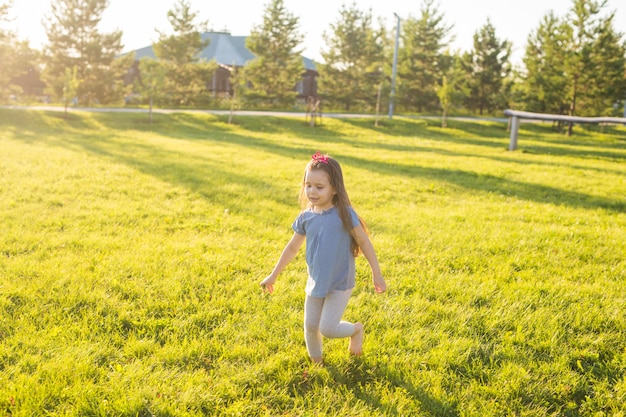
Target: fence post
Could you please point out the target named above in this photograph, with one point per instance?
(513, 137)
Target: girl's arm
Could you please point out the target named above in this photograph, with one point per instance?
(368, 251)
(290, 252)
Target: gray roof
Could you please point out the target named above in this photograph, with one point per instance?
(225, 48)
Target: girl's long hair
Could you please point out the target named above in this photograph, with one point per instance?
(341, 200)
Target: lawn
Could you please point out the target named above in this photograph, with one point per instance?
(130, 257)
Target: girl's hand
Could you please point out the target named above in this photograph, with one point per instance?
(268, 284)
(379, 284)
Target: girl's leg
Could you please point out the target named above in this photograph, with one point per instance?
(312, 336)
(331, 324)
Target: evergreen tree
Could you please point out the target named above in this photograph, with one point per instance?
(354, 60)
(421, 58)
(577, 62)
(277, 67)
(544, 84)
(19, 62)
(7, 46)
(185, 75)
(608, 58)
(595, 60)
(577, 65)
(74, 41)
(184, 45)
(487, 66)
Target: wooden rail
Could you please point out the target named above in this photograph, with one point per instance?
(517, 115)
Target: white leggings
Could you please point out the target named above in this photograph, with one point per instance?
(322, 317)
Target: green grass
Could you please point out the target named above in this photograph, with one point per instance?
(130, 256)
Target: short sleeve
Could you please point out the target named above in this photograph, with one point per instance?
(355, 218)
(298, 225)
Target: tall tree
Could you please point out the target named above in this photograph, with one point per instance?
(74, 41)
(277, 67)
(7, 45)
(595, 60)
(576, 65)
(354, 59)
(183, 46)
(544, 82)
(487, 65)
(178, 53)
(608, 55)
(422, 61)
(19, 62)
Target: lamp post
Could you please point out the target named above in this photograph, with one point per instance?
(395, 68)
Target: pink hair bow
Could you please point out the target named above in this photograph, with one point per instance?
(317, 156)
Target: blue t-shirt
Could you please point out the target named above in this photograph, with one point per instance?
(328, 256)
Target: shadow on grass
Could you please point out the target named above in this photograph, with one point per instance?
(378, 385)
(198, 173)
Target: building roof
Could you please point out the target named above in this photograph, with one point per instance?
(225, 48)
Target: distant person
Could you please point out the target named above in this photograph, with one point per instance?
(334, 235)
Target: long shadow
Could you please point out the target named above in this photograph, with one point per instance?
(580, 145)
(489, 134)
(492, 184)
(567, 150)
(203, 168)
(205, 127)
(583, 133)
(429, 129)
(207, 177)
(494, 134)
(357, 375)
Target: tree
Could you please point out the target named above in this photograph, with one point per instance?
(609, 55)
(70, 86)
(421, 58)
(487, 66)
(576, 65)
(183, 46)
(595, 60)
(544, 84)
(7, 44)
(277, 67)
(19, 62)
(151, 80)
(354, 59)
(186, 75)
(74, 41)
(237, 83)
(451, 90)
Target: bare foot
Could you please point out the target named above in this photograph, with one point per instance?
(356, 340)
(318, 361)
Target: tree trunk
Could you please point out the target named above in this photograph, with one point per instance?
(378, 104)
(572, 107)
(150, 109)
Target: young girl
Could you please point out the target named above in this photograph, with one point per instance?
(334, 237)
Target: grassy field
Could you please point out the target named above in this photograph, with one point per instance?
(130, 256)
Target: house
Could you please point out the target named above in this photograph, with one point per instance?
(230, 51)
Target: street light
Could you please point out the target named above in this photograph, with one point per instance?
(395, 67)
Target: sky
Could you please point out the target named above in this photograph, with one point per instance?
(139, 19)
